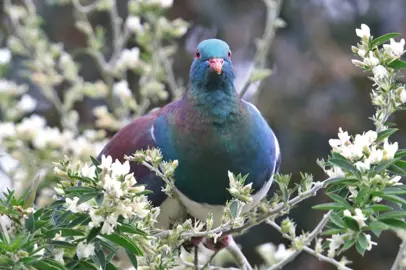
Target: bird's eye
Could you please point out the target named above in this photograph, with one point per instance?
(197, 54)
(229, 54)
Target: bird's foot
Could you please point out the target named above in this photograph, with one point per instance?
(221, 243)
(193, 242)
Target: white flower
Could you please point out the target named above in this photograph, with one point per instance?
(364, 32)
(363, 166)
(371, 61)
(96, 219)
(343, 139)
(335, 172)
(5, 56)
(362, 52)
(165, 3)
(37, 251)
(336, 241)
(403, 96)
(133, 23)
(59, 237)
(139, 208)
(128, 59)
(109, 224)
(27, 103)
(30, 126)
(120, 169)
(71, 205)
(88, 171)
(121, 89)
(389, 150)
(58, 253)
(359, 216)
(106, 163)
(395, 49)
(48, 137)
(83, 250)
(395, 181)
(112, 186)
(380, 73)
(282, 252)
(369, 242)
(375, 156)
(365, 139)
(7, 129)
(354, 192)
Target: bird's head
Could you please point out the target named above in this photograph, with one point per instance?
(212, 67)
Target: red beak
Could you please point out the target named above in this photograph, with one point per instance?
(216, 64)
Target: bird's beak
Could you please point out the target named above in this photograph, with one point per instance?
(216, 64)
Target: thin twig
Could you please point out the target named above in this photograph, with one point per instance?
(207, 264)
(196, 258)
(238, 255)
(399, 256)
(273, 8)
(316, 231)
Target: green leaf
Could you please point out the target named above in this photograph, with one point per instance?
(362, 196)
(93, 233)
(401, 163)
(395, 223)
(87, 265)
(95, 162)
(124, 241)
(47, 264)
(400, 153)
(392, 214)
(362, 239)
(329, 206)
(394, 191)
(397, 64)
(62, 244)
(348, 244)
(380, 207)
(344, 164)
(111, 266)
(333, 231)
(84, 219)
(130, 229)
(340, 200)
(343, 181)
(360, 249)
(383, 165)
(132, 258)
(64, 231)
(101, 258)
(80, 190)
(377, 227)
(351, 223)
(393, 198)
(337, 220)
(385, 134)
(234, 208)
(396, 170)
(382, 39)
(87, 196)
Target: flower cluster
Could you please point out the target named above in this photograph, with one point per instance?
(109, 193)
(45, 130)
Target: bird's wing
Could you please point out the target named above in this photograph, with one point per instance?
(276, 152)
(138, 135)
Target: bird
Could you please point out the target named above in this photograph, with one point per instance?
(210, 131)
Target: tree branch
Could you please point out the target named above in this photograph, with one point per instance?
(238, 255)
(399, 256)
(273, 8)
(316, 231)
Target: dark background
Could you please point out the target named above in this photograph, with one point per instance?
(314, 88)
